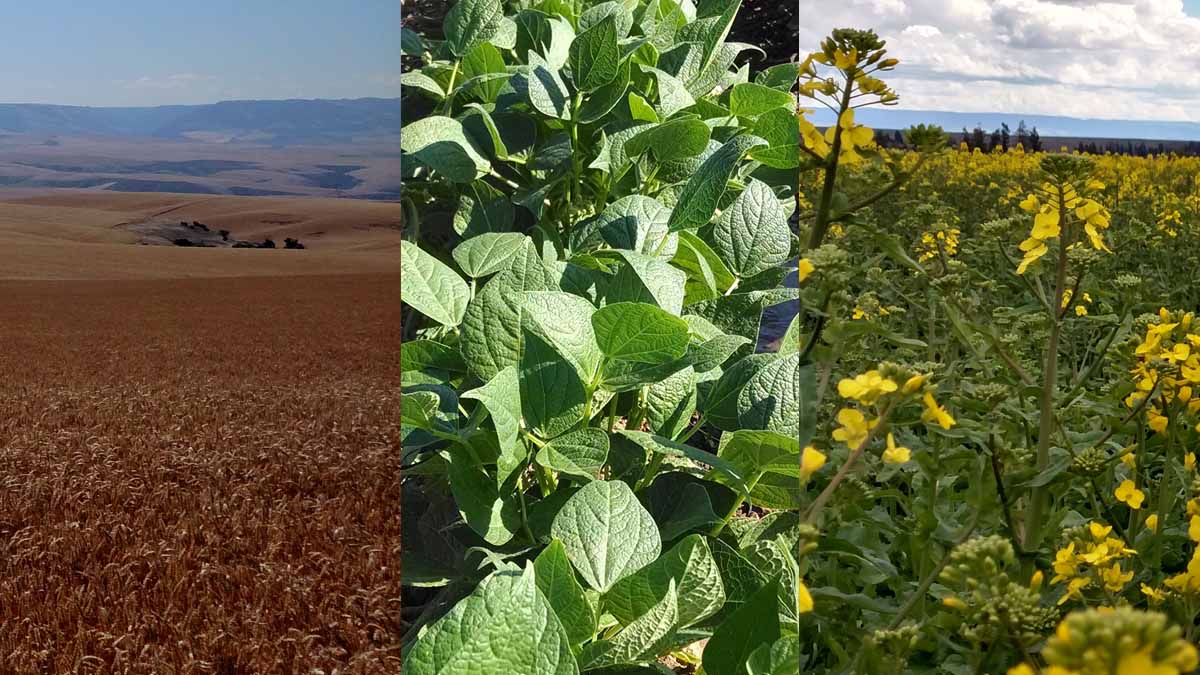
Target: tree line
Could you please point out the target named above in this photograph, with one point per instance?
(1003, 140)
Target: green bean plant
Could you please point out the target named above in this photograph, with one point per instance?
(601, 462)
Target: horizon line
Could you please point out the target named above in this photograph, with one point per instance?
(1020, 114)
(188, 105)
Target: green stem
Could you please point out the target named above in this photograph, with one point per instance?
(815, 508)
(450, 88)
(825, 205)
(651, 471)
(737, 504)
(1039, 497)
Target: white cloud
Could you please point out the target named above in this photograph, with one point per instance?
(1118, 59)
(174, 81)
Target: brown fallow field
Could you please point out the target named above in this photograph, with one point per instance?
(198, 447)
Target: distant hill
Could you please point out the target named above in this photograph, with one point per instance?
(1047, 125)
(279, 123)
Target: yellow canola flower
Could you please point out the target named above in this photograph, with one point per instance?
(1142, 663)
(1152, 522)
(1194, 528)
(867, 387)
(1075, 589)
(895, 454)
(1066, 564)
(845, 60)
(852, 136)
(855, 427)
(804, 601)
(811, 461)
(813, 140)
(1045, 223)
(1189, 461)
(936, 413)
(913, 384)
(805, 268)
(1034, 249)
(1113, 579)
(1154, 595)
(1128, 493)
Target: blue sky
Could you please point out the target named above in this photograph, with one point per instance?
(151, 52)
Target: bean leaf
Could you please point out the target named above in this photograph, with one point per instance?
(506, 625)
(607, 533)
(636, 331)
(429, 286)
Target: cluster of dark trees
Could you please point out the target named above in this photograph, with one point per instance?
(1140, 149)
(288, 242)
(197, 226)
(1003, 139)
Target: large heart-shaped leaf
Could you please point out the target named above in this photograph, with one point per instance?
(491, 325)
(607, 533)
(556, 579)
(577, 453)
(429, 286)
(493, 516)
(707, 275)
(760, 451)
(636, 331)
(594, 56)
(501, 396)
(552, 393)
(506, 625)
(751, 99)
(487, 253)
(773, 397)
(690, 566)
(700, 196)
(675, 139)
(647, 279)
(643, 640)
(441, 144)
(636, 222)
(565, 321)
(547, 91)
(470, 23)
(752, 235)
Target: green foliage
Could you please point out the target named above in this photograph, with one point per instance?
(597, 205)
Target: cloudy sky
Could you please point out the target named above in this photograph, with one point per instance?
(150, 52)
(1122, 59)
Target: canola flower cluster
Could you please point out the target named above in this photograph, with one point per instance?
(1058, 207)
(1092, 556)
(1167, 368)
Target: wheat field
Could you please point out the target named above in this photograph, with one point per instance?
(199, 476)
